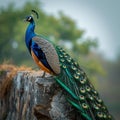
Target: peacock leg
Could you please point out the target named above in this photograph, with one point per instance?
(43, 75)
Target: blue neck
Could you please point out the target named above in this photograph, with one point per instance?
(29, 35)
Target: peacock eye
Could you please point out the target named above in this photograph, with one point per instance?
(29, 18)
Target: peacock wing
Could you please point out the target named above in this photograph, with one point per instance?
(50, 53)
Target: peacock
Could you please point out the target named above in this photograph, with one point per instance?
(53, 59)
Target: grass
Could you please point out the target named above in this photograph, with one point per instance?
(7, 73)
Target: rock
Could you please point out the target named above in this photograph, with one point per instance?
(31, 97)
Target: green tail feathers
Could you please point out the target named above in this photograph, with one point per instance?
(79, 91)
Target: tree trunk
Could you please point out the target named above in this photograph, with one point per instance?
(32, 97)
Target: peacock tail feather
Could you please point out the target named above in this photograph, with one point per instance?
(79, 91)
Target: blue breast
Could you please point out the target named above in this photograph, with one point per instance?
(31, 45)
(29, 35)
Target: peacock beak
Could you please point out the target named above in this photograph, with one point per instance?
(26, 19)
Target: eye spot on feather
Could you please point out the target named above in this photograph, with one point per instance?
(109, 116)
(73, 67)
(62, 60)
(82, 81)
(69, 59)
(82, 90)
(88, 88)
(66, 56)
(76, 63)
(100, 114)
(96, 107)
(76, 76)
(72, 63)
(99, 100)
(90, 97)
(78, 73)
(61, 56)
(103, 107)
(64, 66)
(84, 105)
(64, 53)
(95, 92)
(61, 50)
(104, 115)
(82, 97)
(99, 105)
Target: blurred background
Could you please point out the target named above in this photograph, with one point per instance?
(88, 30)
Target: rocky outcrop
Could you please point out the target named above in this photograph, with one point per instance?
(31, 97)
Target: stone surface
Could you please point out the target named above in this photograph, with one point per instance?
(34, 98)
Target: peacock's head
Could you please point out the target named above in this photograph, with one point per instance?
(30, 18)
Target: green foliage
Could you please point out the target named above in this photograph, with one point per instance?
(67, 28)
(60, 30)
